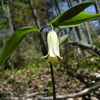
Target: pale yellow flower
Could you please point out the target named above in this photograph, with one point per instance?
(53, 47)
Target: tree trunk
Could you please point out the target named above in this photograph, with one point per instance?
(68, 3)
(12, 14)
(97, 8)
(58, 8)
(44, 49)
(8, 16)
(98, 1)
(34, 14)
(19, 58)
(79, 33)
(77, 28)
(56, 2)
(90, 41)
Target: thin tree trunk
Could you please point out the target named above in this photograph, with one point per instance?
(71, 2)
(44, 49)
(56, 2)
(79, 33)
(19, 58)
(98, 1)
(77, 28)
(90, 41)
(8, 16)
(58, 8)
(68, 3)
(34, 14)
(12, 14)
(97, 8)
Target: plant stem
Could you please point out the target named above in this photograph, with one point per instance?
(53, 82)
(44, 28)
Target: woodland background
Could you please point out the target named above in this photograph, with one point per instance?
(26, 75)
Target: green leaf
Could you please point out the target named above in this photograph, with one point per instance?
(78, 19)
(70, 13)
(63, 39)
(13, 42)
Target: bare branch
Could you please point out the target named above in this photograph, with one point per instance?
(81, 93)
(90, 48)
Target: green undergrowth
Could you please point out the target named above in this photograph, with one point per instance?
(17, 71)
(33, 71)
(34, 68)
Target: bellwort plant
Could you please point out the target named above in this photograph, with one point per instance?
(53, 54)
(53, 47)
(69, 18)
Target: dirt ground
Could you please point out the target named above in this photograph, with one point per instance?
(32, 85)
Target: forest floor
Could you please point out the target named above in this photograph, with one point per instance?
(32, 83)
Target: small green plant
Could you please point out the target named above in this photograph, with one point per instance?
(49, 91)
(7, 82)
(18, 73)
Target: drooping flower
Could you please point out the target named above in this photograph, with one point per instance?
(53, 47)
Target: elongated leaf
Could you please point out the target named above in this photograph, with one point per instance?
(78, 19)
(13, 42)
(71, 12)
(63, 39)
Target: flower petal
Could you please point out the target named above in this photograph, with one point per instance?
(50, 44)
(55, 42)
(45, 56)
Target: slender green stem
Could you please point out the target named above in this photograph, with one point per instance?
(53, 82)
(44, 28)
(52, 27)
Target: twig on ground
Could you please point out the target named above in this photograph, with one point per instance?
(59, 97)
(33, 94)
(81, 93)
